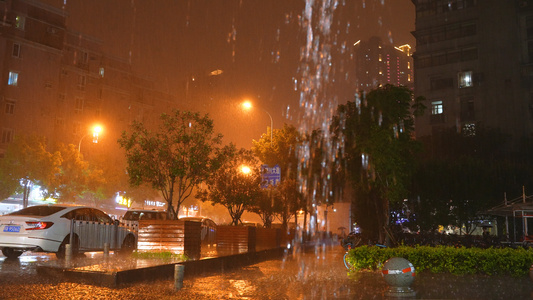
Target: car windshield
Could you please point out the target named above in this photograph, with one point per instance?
(40, 211)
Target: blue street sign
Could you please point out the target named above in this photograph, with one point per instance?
(271, 176)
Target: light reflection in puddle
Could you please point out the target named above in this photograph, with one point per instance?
(242, 288)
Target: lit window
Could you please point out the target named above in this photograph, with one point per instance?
(13, 78)
(7, 135)
(19, 22)
(9, 107)
(465, 79)
(16, 50)
(437, 108)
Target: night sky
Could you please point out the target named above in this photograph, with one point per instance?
(256, 43)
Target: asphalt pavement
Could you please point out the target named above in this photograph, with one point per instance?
(317, 272)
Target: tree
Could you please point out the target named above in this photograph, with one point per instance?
(282, 151)
(175, 159)
(375, 134)
(8, 184)
(460, 175)
(267, 205)
(230, 186)
(27, 162)
(76, 178)
(288, 191)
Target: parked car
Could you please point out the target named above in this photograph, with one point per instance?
(144, 214)
(209, 229)
(46, 228)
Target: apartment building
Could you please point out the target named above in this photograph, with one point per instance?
(377, 64)
(58, 83)
(474, 64)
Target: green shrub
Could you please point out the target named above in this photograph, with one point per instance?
(441, 259)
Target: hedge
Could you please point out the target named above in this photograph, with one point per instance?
(443, 259)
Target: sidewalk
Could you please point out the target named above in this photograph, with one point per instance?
(315, 272)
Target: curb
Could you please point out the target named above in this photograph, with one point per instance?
(163, 271)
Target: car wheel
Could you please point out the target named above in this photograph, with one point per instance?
(128, 245)
(12, 253)
(61, 252)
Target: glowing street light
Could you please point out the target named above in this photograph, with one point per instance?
(95, 132)
(248, 105)
(245, 170)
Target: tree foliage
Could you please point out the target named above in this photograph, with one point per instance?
(375, 137)
(76, 178)
(282, 151)
(267, 205)
(175, 159)
(27, 162)
(459, 176)
(62, 174)
(230, 186)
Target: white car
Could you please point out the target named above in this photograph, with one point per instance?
(47, 228)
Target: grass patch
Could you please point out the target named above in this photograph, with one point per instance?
(160, 255)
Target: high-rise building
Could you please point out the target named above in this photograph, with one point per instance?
(377, 64)
(474, 65)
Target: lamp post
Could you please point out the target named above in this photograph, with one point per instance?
(248, 105)
(95, 131)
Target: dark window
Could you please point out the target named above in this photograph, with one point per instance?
(101, 217)
(441, 83)
(10, 107)
(39, 211)
(467, 109)
(16, 50)
(469, 54)
(436, 119)
(79, 214)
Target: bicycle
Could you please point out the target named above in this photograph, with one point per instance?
(351, 241)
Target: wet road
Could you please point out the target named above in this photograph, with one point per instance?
(315, 274)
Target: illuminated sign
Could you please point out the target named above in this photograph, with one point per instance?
(154, 203)
(123, 201)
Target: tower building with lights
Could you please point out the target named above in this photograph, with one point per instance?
(474, 65)
(377, 64)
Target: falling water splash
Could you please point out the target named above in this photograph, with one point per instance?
(317, 109)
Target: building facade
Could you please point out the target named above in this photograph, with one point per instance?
(377, 64)
(474, 65)
(58, 83)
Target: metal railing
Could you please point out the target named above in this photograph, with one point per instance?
(93, 235)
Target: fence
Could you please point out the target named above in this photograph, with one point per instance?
(184, 237)
(93, 235)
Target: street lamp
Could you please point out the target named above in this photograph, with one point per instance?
(95, 131)
(248, 105)
(245, 170)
